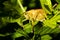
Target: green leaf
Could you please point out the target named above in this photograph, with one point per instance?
(38, 28)
(28, 28)
(19, 33)
(46, 3)
(55, 18)
(46, 37)
(16, 35)
(44, 30)
(51, 24)
(56, 30)
(58, 21)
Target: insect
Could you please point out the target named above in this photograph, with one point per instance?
(35, 15)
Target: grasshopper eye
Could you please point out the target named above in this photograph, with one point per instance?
(26, 15)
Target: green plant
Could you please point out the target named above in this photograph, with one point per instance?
(14, 13)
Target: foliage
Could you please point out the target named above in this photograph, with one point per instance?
(13, 12)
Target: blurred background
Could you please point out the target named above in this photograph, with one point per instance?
(6, 27)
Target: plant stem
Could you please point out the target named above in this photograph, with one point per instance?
(55, 15)
(55, 5)
(20, 4)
